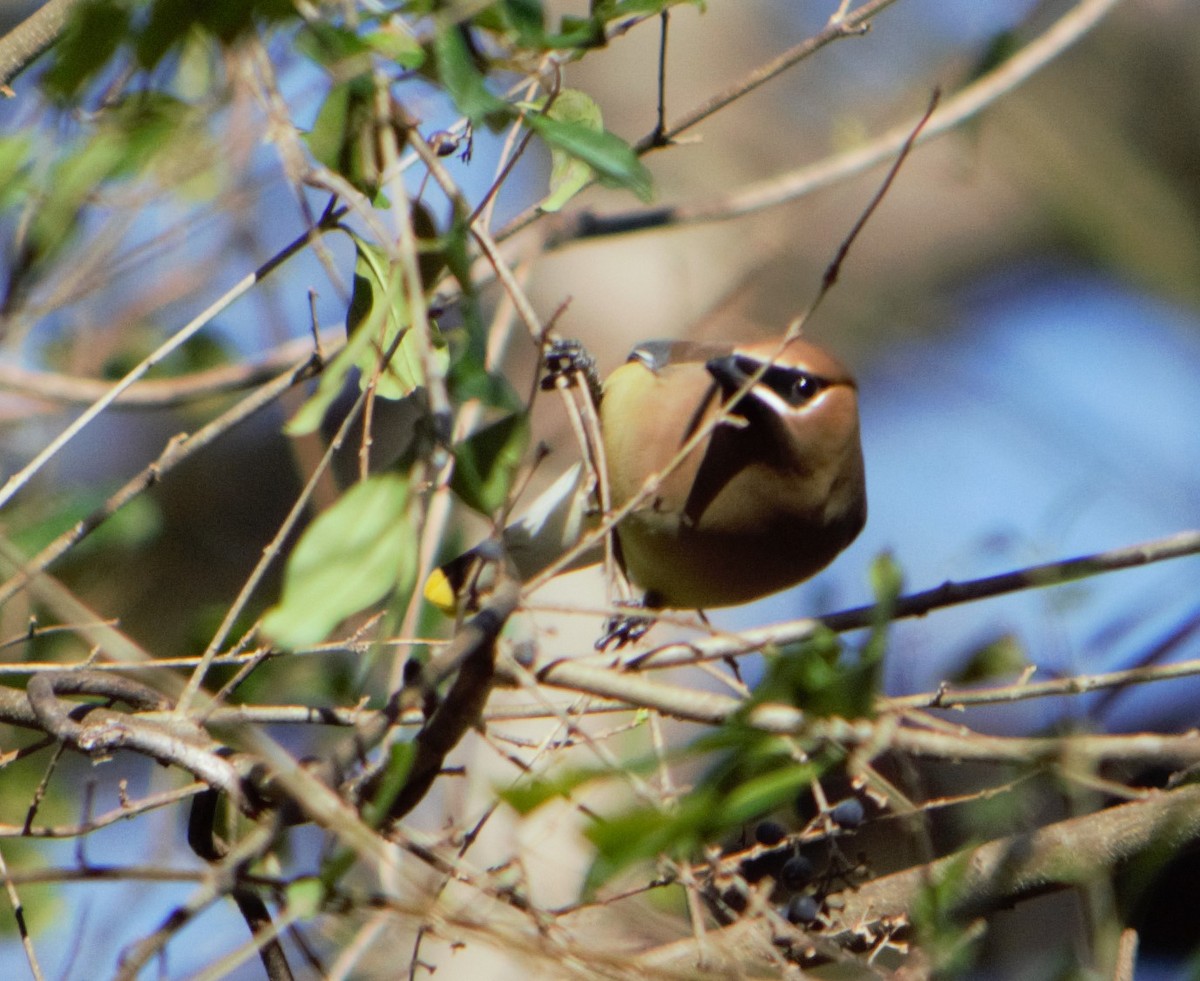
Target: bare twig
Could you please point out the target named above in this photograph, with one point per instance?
(804, 180)
(918, 604)
(22, 477)
(167, 393)
(177, 450)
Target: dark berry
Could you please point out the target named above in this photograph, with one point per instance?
(848, 813)
(802, 909)
(797, 872)
(770, 833)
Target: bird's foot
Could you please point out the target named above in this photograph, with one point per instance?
(565, 357)
(624, 628)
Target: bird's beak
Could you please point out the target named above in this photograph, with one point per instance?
(728, 372)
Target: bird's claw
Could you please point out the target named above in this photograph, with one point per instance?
(565, 357)
(623, 629)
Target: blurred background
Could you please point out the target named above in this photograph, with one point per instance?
(1022, 312)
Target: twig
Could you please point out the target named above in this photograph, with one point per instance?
(167, 393)
(105, 731)
(472, 658)
(852, 25)
(918, 604)
(272, 550)
(18, 909)
(177, 450)
(22, 477)
(804, 180)
(949, 698)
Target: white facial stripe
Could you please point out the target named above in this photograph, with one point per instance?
(780, 406)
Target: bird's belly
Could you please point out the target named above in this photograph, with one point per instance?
(689, 567)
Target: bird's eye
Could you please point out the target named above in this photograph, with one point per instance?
(803, 388)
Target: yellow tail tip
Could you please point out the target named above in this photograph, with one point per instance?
(440, 592)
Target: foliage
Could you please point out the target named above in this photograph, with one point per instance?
(352, 159)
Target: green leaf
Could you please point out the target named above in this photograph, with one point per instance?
(568, 174)
(157, 130)
(1003, 657)
(468, 380)
(15, 153)
(486, 463)
(396, 44)
(171, 22)
(337, 48)
(311, 414)
(458, 74)
(94, 32)
(645, 833)
(887, 583)
(305, 897)
(579, 32)
(342, 134)
(377, 314)
(610, 157)
(349, 558)
(526, 18)
(614, 9)
(378, 309)
(765, 792)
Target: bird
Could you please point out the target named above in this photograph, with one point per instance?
(773, 489)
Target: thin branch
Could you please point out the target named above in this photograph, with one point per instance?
(177, 450)
(126, 812)
(949, 698)
(918, 604)
(104, 731)
(18, 909)
(854, 24)
(164, 393)
(781, 188)
(22, 477)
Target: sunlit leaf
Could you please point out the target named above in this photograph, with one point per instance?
(15, 154)
(612, 9)
(377, 316)
(645, 833)
(569, 174)
(765, 792)
(378, 309)
(610, 157)
(349, 558)
(396, 44)
(305, 897)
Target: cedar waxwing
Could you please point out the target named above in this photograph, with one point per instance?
(767, 499)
